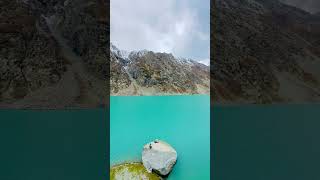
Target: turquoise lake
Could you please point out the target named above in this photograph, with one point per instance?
(182, 121)
(55, 144)
(249, 142)
(266, 142)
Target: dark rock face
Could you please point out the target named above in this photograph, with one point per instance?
(29, 57)
(312, 6)
(149, 73)
(263, 52)
(85, 25)
(53, 49)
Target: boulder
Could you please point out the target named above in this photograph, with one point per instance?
(159, 156)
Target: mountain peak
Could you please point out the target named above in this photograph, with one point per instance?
(148, 73)
(137, 54)
(120, 53)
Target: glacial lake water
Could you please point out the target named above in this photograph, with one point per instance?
(266, 142)
(182, 121)
(249, 142)
(53, 144)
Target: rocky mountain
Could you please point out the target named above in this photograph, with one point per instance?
(53, 53)
(264, 52)
(149, 73)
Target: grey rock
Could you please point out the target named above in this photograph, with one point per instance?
(159, 156)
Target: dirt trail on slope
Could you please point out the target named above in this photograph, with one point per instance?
(133, 86)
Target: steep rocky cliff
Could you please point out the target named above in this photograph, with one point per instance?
(53, 53)
(264, 52)
(149, 73)
(30, 57)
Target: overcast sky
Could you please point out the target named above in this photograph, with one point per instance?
(180, 27)
(312, 6)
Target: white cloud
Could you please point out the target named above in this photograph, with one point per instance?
(161, 26)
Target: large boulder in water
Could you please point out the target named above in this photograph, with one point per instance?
(159, 156)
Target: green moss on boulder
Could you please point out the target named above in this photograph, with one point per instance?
(132, 171)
